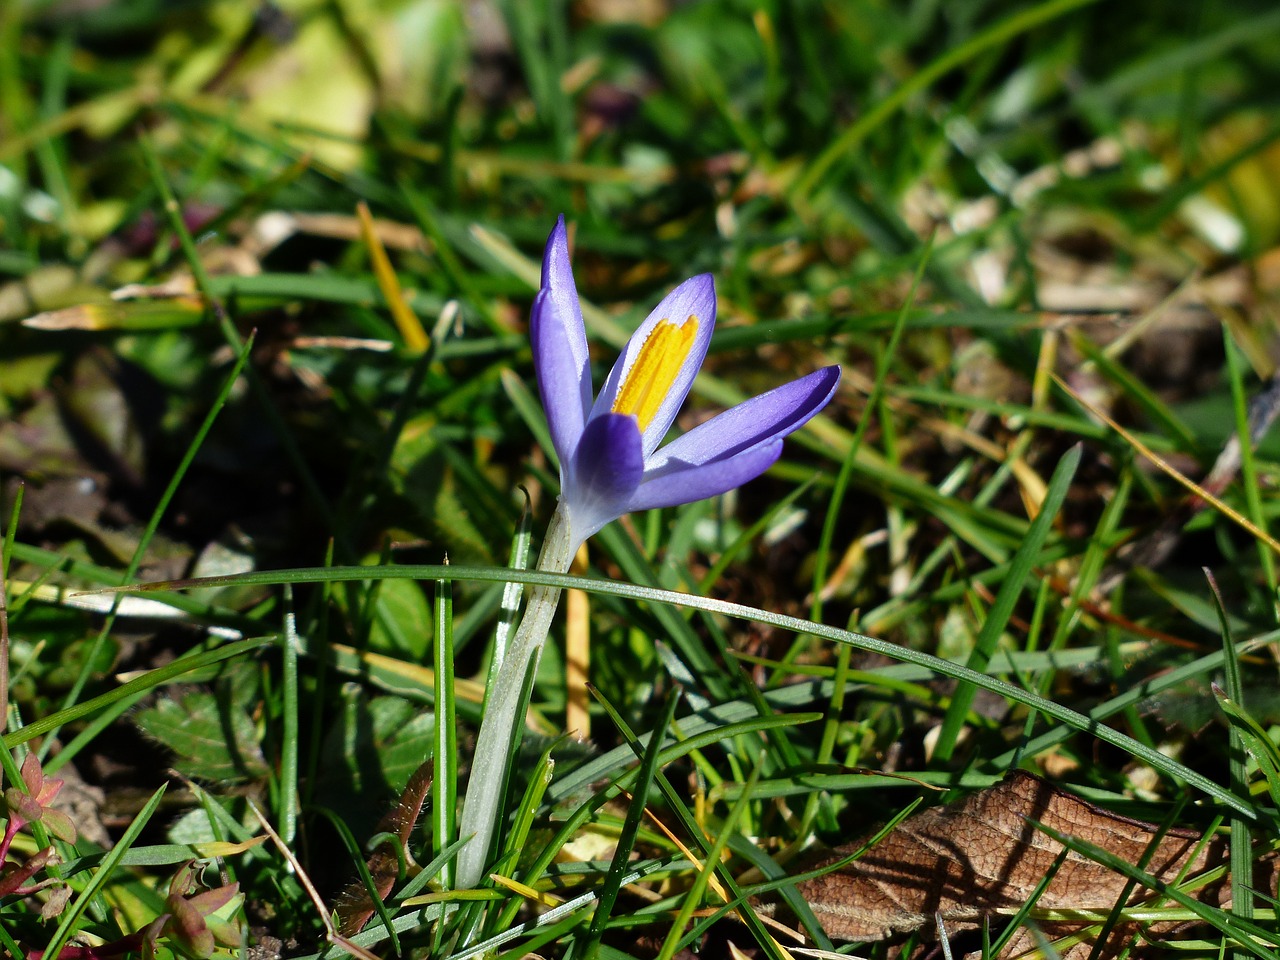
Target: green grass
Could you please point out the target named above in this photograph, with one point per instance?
(946, 575)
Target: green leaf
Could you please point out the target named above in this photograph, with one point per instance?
(211, 740)
(385, 738)
(402, 620)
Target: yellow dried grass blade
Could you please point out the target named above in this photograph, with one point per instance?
(1229, 512)
(169, 313)
(577, 718)
(226, 848)
(415, 337)
(420, 677)
(526, 891)
(713, 881)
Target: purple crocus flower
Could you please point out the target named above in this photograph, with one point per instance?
(612, 462)
(611, 458)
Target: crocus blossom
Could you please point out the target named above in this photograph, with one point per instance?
(612, 460)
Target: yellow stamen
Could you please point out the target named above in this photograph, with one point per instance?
(661, 356)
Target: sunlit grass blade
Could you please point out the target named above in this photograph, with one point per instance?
(522, 823)
(698, 889)
(449, 260)
(512, 592)
(645, 774)
(698, 842)
(616, 766)
(997, 616)
(1244, 435)
(1165, 421)
(1256, 741)
(289, 706)
(1242, 933)
(445, 782)
(1242, 896)
(675, 627)
(1072, 719)
(884, 358)
(102, 876)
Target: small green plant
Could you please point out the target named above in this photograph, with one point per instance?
(26, 806)
(192, 921)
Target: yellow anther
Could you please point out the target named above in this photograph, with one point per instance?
(661, 356)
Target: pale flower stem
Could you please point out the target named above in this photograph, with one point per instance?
(502, 723)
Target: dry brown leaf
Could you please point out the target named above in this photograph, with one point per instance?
(354, 907)
(967, 861)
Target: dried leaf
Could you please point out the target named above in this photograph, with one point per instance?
(354, 907)
(57, 902)
(966, 861)
(165, 314)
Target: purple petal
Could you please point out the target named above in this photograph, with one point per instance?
(560, 356)
(687, 482)
(696, 297)
(770, 416)
(608, 463)
(606, 468)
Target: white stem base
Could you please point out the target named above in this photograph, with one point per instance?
(481, 810)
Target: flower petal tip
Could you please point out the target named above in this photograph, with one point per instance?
(698, 289)
(829, 377)
(555, 258)
(560, 355)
